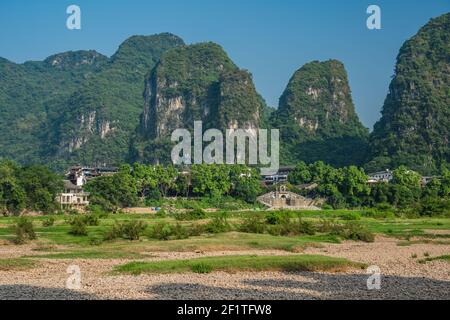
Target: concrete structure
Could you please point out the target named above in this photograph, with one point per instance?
(382, 176)
(73, 197)
(79, 176)
(282, 199)
(280, 177)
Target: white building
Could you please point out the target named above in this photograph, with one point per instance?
(382, 176)
(73, 197)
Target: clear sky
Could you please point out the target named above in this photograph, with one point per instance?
(270, 38)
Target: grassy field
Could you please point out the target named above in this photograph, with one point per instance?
(429, 259)
(241, 263)
(56, 242)
(16, 264)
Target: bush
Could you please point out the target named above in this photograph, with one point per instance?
(161, 214)
(24, 231)
(161, 231)
(350, 216)
(114, 233)
(179, 232)
(78, 227)
(132, 230)
(253, 224)
(48, 222)
(305, 227)
(356, 231)
(91, 220)
(218, 224)
(196, 230)
(277, 217)
(128, 230)
(195, 214)
(98, 211)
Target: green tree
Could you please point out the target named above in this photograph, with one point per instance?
(301, 174)
(245, 182)
(210, 180)
(405, 177)
(41, 187)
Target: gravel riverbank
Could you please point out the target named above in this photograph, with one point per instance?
(403, 277)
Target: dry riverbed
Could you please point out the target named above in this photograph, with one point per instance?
(403, 277)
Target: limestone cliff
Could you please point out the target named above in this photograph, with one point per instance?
(317, 117)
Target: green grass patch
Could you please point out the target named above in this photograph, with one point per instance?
(17, 264)
(429, 259)
(90, 255)
(422, 241)
(288, 263)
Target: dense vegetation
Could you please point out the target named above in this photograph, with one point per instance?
(84, 108)
(76, 106)
(33, 188)
(194, 83)
(414, 128)
(143, 184)
(347, 187)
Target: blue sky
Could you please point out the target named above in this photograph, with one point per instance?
(270, 38)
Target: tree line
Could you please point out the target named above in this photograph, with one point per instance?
(140, 183)
(347, 187)
(35, 188)
(32, 188)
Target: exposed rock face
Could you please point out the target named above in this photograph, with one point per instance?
(194, 83)
(415, 126)
(76, 59)
(317, 117)
(103, 115)
(198, 82)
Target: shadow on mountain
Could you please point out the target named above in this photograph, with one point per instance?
(26, 292)
(338, 152)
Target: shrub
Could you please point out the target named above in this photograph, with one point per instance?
(329, 226)
(218, 224)
(91, 220)
(378, 214)
(196, 230)
(305, 227)
(24, 231)
(98, 211)
(48, 222)
(356, 231)
(161, 214)
(161, 231)
(78, 227)
(114, 233)
(129, 230)
(94, 241)
(253, 224)
(179, 232)
(132, 230)
(277, 217)
(350, 216)
(195, 214)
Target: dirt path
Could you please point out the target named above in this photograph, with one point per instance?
(402, 277)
